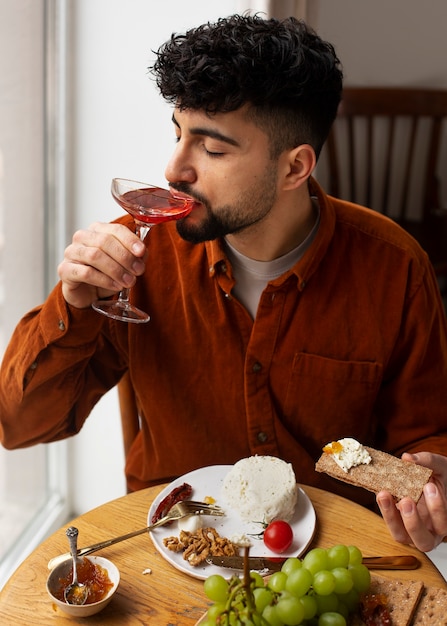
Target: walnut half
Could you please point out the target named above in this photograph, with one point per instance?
(197, 546)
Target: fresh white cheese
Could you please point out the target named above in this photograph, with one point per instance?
(352, 453)
(190, 523)
(241, 540)
(261, 489)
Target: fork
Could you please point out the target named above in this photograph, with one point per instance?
(176, 512)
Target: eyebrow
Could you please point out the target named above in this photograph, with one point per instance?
(209, 132)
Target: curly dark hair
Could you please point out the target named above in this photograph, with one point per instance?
(289, 76)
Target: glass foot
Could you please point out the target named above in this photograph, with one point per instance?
(121, 311)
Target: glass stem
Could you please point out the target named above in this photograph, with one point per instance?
(123, 295)
(141, 230)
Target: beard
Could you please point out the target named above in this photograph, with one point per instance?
(251, 207)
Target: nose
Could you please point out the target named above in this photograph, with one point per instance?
(179, 167)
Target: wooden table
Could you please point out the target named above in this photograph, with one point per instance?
(167, 597)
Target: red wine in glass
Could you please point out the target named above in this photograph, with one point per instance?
(148, 205)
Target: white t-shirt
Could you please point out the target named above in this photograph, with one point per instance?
(252, 276)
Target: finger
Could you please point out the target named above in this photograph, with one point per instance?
(123, 234)
(436, 462)
(105, 253)
(114, 241)
(436, 506)
(421, 535)
(75, 275)
(392, 517)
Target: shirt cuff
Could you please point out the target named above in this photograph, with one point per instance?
(57, 317)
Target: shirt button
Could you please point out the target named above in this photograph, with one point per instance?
(61, 325)
(257, 367)
(262, 437)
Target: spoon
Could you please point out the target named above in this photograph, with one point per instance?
(76, 592)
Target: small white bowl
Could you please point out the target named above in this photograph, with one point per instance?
(84, 610)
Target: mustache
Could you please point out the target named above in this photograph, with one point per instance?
(186, 189)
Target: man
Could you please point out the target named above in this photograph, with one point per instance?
(281, 318)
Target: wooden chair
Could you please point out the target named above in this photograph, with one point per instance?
(387, 150)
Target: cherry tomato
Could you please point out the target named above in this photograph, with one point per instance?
(278, 536)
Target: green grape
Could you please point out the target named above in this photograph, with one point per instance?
(291, 564)
(263, 597)
(310, 606)
(331, 619)
(351, 599)
(316, 560)
(338, 556)
(271, 616)
(299, 582)
(290, 611)
(355, 556)
(342, 609)
(326, 604)
(216, 588)
(343, 580)
(215, 610)
(322, 589)
(361, 577)
(324, 582)
(278, 581)
(257, 579)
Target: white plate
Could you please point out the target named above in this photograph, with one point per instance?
(207, 481)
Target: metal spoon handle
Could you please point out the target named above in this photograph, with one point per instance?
(72, 534)
(108, 542)
(97, 546)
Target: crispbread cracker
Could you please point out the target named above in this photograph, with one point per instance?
(401, 597)
(385, 471)
(432, 608)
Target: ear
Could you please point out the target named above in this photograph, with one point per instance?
(298, 165)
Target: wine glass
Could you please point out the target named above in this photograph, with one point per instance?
(148, 205)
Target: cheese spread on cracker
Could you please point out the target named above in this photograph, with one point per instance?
(347, 453)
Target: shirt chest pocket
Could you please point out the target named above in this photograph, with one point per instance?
(327, 398)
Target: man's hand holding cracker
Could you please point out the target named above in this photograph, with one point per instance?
(411, 492)
(422, 524)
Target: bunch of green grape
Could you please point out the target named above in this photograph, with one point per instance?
(322, 589)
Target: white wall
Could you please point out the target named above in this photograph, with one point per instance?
(401, 42)
(121, 127)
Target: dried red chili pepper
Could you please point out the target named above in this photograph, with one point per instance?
(178, 494)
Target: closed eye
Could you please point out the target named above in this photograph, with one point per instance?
(213, 154)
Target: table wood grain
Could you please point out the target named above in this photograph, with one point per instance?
(166, 596)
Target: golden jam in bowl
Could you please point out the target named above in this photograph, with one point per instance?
(91, 574)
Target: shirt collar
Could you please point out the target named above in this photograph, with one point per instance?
(307, 265)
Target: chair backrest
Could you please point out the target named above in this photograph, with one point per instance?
(130, 421)
(384, 147)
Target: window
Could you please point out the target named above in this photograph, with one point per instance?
(32, 481)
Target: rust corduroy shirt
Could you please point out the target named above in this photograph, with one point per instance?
(350, 342)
